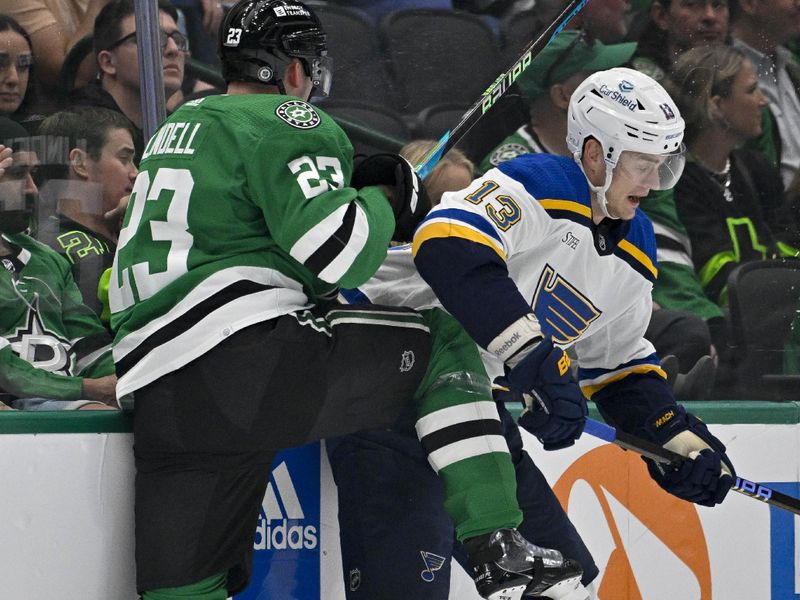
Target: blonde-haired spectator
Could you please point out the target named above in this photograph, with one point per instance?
(453, 172)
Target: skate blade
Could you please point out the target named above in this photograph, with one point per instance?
(510, 593)
(569, 589)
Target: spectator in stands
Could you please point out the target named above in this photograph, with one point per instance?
(55, 352)
(54, 27)
(117, 84)
(547, 85)
(730, 200)
(605, 20)
(454, 171)
(85, 190)
(760, 28)
(16, 68)
(676, 26)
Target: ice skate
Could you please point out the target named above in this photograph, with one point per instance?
(508, 567)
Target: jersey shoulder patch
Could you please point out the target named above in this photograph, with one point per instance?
(506, 152)
(298, 114)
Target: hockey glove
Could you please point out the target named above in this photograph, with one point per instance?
(555, 408)
(409, 200)
(703, 480)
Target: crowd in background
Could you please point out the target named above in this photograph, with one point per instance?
(71, 111)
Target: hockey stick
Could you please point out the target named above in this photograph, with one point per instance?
(497, 89)
(662, 455)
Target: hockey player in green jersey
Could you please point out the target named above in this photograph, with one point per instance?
(54, 352)
(245, 218)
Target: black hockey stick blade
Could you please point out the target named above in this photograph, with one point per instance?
(662, 455)
(498, 88)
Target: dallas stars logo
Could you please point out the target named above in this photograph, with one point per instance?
(34, 343)
(298, 114)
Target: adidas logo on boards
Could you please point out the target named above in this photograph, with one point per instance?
(280, 525)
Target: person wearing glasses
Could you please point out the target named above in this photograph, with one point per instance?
(547, 86)
(117, 84)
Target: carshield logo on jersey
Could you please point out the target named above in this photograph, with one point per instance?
(298, 114)
(650, 541)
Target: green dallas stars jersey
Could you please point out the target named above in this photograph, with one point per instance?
(241, 213)
(49, 340)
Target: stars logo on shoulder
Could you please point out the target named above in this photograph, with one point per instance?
(507, 152)
(298, 114)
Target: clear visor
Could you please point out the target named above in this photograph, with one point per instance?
(653, 171)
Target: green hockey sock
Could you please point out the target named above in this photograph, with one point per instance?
(212, 588)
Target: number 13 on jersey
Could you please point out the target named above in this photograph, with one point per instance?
(166, 200)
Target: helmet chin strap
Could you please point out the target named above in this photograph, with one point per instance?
(599, 190)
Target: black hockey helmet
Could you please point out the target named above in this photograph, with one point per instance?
(258, 39)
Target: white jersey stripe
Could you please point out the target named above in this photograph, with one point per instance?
(294, 297)
(351, 320)
(464, 449)
(204, 335)
(452, 415)
(674, 256)
(315, 237)
(344, 260)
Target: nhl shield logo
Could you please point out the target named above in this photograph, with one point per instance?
(407, 361)
(298, 114)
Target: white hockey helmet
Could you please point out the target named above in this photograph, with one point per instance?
(629, 114)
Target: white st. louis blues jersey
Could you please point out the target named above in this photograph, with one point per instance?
(589, 286)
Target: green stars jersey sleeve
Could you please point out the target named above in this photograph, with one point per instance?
(20, 378)
(49, 340)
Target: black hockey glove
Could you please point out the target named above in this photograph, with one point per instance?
(409, 200)
(704, 480)
(555, 408)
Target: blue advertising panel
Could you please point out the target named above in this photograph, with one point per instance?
(783, 546)
(286, 561)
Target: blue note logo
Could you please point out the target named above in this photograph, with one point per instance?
(564, 312)
(433, 562)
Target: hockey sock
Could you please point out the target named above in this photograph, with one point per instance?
(459, 427)
(212, 588)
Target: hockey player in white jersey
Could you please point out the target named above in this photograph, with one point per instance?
(546, 252)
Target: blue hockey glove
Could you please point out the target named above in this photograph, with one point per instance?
(706, 479)
(555, 408)
(409, 200)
